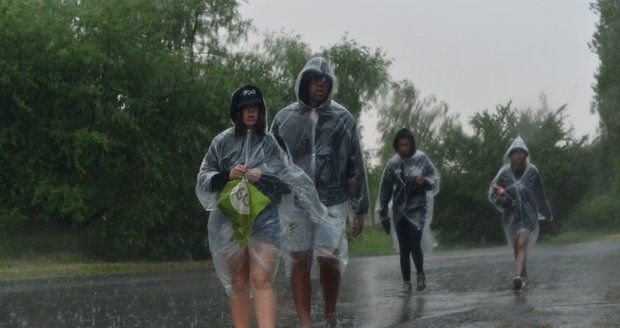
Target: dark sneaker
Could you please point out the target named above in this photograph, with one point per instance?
(407, 286)
(421, 282)
(517, 283)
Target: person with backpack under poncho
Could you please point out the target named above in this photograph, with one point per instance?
(245, 167)
(517, 191)
(408, 187)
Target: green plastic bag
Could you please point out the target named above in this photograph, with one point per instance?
(241, 202)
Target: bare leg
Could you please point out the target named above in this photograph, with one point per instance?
(521, 250)
(239, 298)
(302, 286)
(330, 282)
(262, 266)
(514, 245)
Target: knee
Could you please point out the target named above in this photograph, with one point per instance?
(239, 285)
(326, 253)
(403, 248)
(301, 264)
(330, 264)
(261, 281)
(416, 247)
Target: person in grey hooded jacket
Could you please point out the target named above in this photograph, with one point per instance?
(409, 184)
(517, 191)
(322, 138)
(247, 151)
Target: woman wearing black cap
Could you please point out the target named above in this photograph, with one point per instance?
(517, 191)
(248, 151)
(408, 186)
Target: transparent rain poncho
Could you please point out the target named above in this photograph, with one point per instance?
(399, 197)
(324, 141)
(287, 186)
(520, 199)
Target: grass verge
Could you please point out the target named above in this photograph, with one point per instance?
(572, 237)
(372, 242)
(57, 254)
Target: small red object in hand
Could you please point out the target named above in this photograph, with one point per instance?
(501, 191)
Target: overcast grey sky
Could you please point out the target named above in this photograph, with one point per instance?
(473, 54)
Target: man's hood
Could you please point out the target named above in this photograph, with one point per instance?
(318, 65)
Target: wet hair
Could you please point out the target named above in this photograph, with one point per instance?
(404, 133)
(304, 83)
(259, 128)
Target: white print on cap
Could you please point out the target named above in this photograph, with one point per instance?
(248, 92)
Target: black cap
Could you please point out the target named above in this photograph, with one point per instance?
(246, 95)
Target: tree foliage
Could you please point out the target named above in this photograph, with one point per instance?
(403, 106)
(107, 108)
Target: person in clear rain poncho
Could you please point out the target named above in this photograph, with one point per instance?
(409, 184)
(248, 151)
(323, 140)
(517, 191)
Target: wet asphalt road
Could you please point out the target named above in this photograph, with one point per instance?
(575, 285)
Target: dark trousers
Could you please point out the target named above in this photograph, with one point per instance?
(409, 239)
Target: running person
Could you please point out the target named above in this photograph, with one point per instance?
(517, 191)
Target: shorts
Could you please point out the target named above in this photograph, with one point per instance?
(266, 229)
(307, 235)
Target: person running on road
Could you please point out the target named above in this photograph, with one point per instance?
(517, 191)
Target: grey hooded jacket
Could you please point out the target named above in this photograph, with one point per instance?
(260, 151)
(520, 198)
(398, 185)
(324, 141)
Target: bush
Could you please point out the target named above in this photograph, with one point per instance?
(599, 214)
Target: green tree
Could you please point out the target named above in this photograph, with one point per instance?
(606, 43)
(362, 73)
(403, 106)
(106, 115)
(599, 211)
